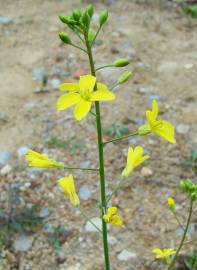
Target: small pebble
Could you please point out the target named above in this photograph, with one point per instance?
(145, 171)
(182, 128)
(90, 228)
(6, 170)
(126, 255)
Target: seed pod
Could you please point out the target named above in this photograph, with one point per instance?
(124, 77)
(122, 62)
(103, 17)
(65, 38)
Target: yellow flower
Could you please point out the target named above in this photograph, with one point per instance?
(171, 203)
(134, 158)
(111, 217)
(165, 253)
(160, 127)
(82, 95)
(68, 185)
(41, 161)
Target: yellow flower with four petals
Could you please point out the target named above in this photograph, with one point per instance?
(165, 253)
(111, 217)
(134, 158)
(162, 128)
(82, 95)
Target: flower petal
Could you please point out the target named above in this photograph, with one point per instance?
(87, 82)
(155, 108)
(102, 95)
(82, 109)
(102, 86)
(72, 87)
(116, 220)
(111, 211)
(165, 129)
(67, 100)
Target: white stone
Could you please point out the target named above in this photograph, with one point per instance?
(5, 170)
(23, 243)
(182, 128)
(126, 255)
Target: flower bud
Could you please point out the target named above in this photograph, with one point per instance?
(171, 204)
(77, 14)
(122, 62)
(194, 196)
(182, 185)
(85, 18)
(90, 10)
(65, 38)
(66, 19)
(124, 77)
(103, 17)
(144, 130)
(91, 35)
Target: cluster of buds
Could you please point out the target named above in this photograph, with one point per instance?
(190, 188)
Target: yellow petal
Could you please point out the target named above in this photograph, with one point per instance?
(166, 130)
(111, 211)
(82, 109)
(158, 252)
(101, 86)
(130, 156)
(127, 171)
(34, 155)
(67, 184)
(67, 100)
(116, 220)
(72, 87)
(102, 95)
(87, 82)
(106, 218)
(155, 109)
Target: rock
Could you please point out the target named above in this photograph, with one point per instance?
(23, 243)
(44, 212)
(143, 90)
(90, 228)
(40, 74)
(145, 171)
(189, 66)
(5, 20)
(5, 170)
(55, 83)
(71, 56)
(154, 97)
(48, 228)
(3, 117)
(5, 157)
(182, 128)
(75, 267)
(30, 105)
(126, 255)
(84, 193)
(22, 151)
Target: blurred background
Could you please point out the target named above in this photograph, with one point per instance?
(39, 229)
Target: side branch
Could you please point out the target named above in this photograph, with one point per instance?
(121, 138)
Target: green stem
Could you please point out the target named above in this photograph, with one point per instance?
(88, 219)
(178, 221)
(195, 264)
(101, 161)
(121, 138)
(183, 238)
(90, 45)
(106, 66)
(79, 168)
(74, 45)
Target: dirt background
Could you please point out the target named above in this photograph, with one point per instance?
(161, 41)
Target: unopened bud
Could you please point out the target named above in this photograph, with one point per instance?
(66, 19)
(182, 185)
(122, 62)
(171, 204)
(90, 10)
(65, 38)
(194, 196)
(124, 77)
(103, 17)
(77, 14)
(85, 19)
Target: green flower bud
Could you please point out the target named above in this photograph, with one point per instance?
(90, 10)
(66, 19)
(122, 62)
(144, 130)
(194, 196)
(85, 19)
(76, 14)
(65, 38)
(91, 35)
(182, 185)
(103, 17)
(124, 77)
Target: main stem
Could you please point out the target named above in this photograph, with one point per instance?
(101, 162)
(183, 238)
